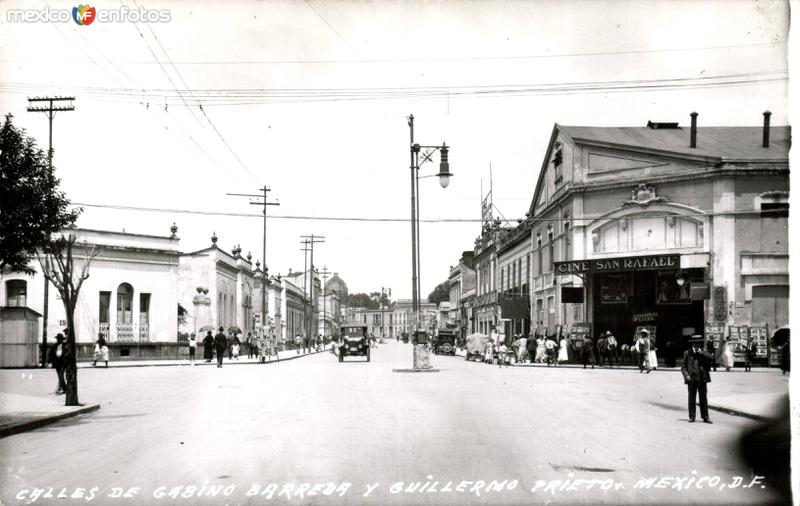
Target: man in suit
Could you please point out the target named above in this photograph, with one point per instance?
(220, 343)
(696, 363)
(56, 357)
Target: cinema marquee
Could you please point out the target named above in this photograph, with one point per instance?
(618, 264)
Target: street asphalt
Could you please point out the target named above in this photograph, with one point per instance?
(316, 431)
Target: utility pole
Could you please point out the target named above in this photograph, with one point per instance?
(50, 111)
(324, 273)
(305, 249)
(265, 273)
(311, 241)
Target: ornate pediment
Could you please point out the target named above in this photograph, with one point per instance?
(644, 195)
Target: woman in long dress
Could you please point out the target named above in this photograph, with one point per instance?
(726, 360)
(563, 357)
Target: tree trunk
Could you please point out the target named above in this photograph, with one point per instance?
(70, 358)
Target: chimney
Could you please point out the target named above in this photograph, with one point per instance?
(693, 132)
(765, 142)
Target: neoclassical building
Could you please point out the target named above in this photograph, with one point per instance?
(226, 279)
(130, 295)
(681, 230)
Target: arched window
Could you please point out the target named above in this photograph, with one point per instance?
(124, 303)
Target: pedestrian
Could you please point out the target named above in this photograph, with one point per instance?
(611, 348)
(786, 361)
(540, 350)
(100, 350)
(652, 358)
(643, 350)
(550, 351)
(711, 348)
(587, 351)
(230, 344)
(298, 342)
(208, 347)
(55, 356)
(727, 354)
(306, 344)
(235, 347)
(696, 376)
(749, 354)
(192, 347)
(249, 344)
(563, 353)
(220, 343)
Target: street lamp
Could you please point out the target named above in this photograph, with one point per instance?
(444, 181)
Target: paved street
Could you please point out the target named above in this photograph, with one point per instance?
(314, 431)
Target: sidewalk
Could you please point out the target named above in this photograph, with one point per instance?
(22, 413)
(282, 356)
(753, 405)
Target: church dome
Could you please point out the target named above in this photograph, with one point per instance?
(336, 284)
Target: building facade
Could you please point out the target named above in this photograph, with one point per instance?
(226, 279)
(130, 295)
(678, 230)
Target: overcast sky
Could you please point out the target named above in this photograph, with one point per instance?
(489, 78)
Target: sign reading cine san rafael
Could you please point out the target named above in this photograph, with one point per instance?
(618, 264)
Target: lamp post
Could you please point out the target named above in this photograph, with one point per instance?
(444, 180)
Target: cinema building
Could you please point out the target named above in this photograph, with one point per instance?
(679, 230)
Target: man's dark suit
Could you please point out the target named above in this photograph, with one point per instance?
(220, 343)
(696, 364)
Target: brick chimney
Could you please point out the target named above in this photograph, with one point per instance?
(693, 131)
(765, 141)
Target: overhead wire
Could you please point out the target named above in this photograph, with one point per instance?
(200, 212)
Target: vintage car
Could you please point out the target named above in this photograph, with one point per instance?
(353, 342)
(476, 345)
(445, 342)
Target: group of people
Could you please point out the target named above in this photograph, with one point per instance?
(258, 346)
(540, 350)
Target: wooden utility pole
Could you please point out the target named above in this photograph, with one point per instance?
(50, 111)
(311, 240)
(265, 273)
(324, 273)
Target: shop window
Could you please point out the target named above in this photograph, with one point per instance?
(17, 292)
(539, 254)
(550, 251)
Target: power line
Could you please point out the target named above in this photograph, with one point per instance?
(330, 26)
(299, 61)
(754, 212)
(232, 97)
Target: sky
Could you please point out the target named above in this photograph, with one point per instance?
(311, 99)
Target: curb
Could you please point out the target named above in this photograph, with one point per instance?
(415, 370)
(46, 420)
(197, 362)
(736, 412)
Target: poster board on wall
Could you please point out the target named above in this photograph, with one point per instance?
(578, 332)
(759, 335)
(715, 334)
(738, 335)
(650, 328)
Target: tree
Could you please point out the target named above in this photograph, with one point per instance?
(363, 300)
(380, 299)
(32, 208)
(60, 267)
(440, 294)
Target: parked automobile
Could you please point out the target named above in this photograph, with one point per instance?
(354, 342)
(476, 345)
(445, 342)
